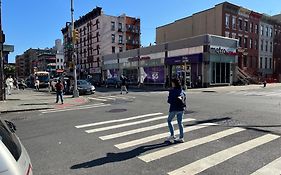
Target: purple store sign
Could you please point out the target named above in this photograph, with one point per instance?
(196, 58)
(112, 73)
(152, 74)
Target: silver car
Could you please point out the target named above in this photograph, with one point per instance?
(14, 159)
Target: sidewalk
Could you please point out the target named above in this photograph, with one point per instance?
(30, 100)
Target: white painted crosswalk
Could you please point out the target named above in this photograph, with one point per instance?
(197, 166)
(111, 98)
(73, 108)
(269, 93)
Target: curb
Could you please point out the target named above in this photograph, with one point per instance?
(22, 110)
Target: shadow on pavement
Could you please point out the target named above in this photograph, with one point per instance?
(117, 157)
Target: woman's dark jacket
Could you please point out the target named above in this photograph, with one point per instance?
(175, 104)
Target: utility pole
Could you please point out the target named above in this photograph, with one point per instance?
(2, 87)
(74, 56)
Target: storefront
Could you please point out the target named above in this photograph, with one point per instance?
(187, 68)
(202, 61)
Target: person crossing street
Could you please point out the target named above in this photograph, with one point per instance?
(59, 90)
(123, 84)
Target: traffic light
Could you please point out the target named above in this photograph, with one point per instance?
(75, 35)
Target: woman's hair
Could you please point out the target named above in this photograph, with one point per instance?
(177, 83)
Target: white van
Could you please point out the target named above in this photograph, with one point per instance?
(14, 160)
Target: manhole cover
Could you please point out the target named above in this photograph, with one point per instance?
(117, 110)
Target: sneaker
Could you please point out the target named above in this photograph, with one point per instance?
(179, 140)
(170, 138)
(121, 93)
(127, 92)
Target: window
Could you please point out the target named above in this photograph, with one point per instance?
(246, 42)
(251, 27)
(271, 46)
(240, 41)
(266, 46)
(227, 20)
(240, 23)
(97, 35)
(245, 61)
(10, 141)
(256, 44)
(260, 62)
(261, 44)
(227, 34)
(113, 49)
(261, 30)
(246, 26)
(113, 38)
(112, 25)
(271, 30)
(120, 26)
(98, 49)
(120, 39)
(267, 31)
(270, 63)
(120, 49)
(256, 29)
(234, 22)
(265, 63)
(251, 43)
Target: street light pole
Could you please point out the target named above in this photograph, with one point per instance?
(2, 87)
(75, 91)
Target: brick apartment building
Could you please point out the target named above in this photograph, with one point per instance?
(101, 34)
(253, 30)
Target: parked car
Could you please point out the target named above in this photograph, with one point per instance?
(96, 81)
(84, 87)
(115, 82)
(14, 159)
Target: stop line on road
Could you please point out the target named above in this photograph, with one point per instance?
(198, 166)
(111, 98)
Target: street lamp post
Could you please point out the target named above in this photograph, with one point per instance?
(75, 91)
(2, 87)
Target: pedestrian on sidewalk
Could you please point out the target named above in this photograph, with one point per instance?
(9, 84)
(177, 101)
(123, 84)
(59, 90)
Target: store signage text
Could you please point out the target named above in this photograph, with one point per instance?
(138, 58)
(224, 51)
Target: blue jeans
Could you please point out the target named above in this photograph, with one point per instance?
(179, 115)
(59, 94)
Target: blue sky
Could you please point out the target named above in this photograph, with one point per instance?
(37, 23)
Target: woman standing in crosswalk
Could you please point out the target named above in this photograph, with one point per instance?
(176, 99)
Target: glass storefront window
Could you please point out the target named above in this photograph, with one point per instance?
(220, 73)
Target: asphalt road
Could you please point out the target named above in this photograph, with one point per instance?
(229, 133)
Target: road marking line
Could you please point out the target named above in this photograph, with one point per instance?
(160, 136)
(92, 98)
(72, 109)
(124, 96)
(108, 98)
(118, 120)
(45, 110)
(272, 168)
(217, 158)
(187, 145)
(139, 130)
(126, 124)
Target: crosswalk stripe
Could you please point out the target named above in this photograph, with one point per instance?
(217, 158)
(272, 168)
(92, 98)
(187, 145)
(139, 130)
(45, 110)
(77, 108)
(118, 120)
(108, 98)
(160, 136)
(125, 124)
